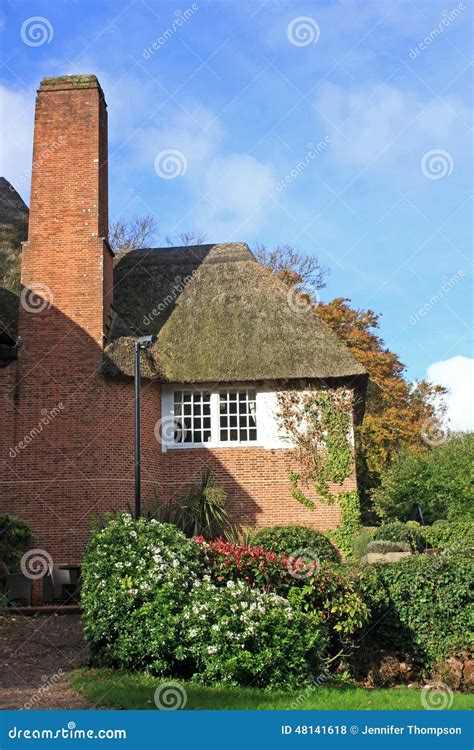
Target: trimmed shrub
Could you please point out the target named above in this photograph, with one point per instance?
(450, 536)
(420, 606)
(137, 576)
(401, 532)
(382, 546)
(15, 537)
(241, 636)
(289, 539)
(254, 565)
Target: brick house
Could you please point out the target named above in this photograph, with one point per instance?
(228, 338)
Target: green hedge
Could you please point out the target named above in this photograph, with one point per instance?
(401, 532)
(453, 536)
(421, 606)
(289, 539)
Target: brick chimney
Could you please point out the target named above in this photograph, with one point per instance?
(67, 262)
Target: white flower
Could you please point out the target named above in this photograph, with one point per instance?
(230, 584)
(212, 649)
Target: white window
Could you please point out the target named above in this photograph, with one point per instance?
(224, 416)
(192, 413)
(237, 415)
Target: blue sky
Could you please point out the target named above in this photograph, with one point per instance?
(241, 94)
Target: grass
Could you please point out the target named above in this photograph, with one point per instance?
(136, 691)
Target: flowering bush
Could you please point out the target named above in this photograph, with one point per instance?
(328, 589)
(137, 576)
(237, 635)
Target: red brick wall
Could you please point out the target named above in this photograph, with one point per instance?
(257, 485)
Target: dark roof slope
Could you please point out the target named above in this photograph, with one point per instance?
(13, 231)
(219, 315)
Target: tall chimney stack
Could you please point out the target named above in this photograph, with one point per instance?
(67, 263)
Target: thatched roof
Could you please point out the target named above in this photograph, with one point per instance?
(13, 231)
(219, 316)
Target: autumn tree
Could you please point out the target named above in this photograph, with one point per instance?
(399, 414)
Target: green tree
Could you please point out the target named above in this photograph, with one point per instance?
(440, 481)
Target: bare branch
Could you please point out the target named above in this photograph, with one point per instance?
(193, 237)
(304, 272)
(137, 232)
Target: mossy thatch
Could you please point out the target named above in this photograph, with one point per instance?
(221, 316)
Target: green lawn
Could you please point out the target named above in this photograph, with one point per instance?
(136, 691)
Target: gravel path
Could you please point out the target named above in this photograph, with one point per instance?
(37, 655)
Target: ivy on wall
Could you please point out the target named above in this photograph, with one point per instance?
(318, 422)
(349, 525)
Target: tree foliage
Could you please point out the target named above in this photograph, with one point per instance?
(440, 481)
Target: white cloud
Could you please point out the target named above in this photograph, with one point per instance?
(230, 193)
(389, 121)
(457, 375)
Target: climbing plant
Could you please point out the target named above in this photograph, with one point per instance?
(349, 525)
(318, 423)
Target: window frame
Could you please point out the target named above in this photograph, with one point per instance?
(238, 390)
(192, 391)
(269, 434)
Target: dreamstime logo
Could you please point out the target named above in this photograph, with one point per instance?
(448, 284)
(313, 150)
(447, 19)
(303, 31)
(302, 564)
(36, 563)
(170, 430)
(170, 163)
(48, 683)
(299, 301)
(36, 297)
(181, 18)
(47, 416)
(437, 164)
(433, 433)
(437, 696)
(178, 287)
(170, 696)
(36, 31)
(44, 156)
